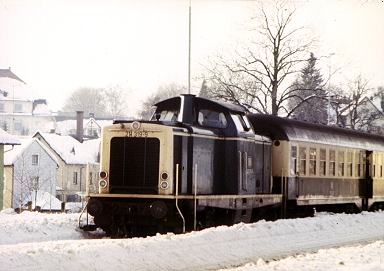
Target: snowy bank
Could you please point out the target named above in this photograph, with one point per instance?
(42, 241)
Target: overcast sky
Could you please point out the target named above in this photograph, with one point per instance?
(58, 46)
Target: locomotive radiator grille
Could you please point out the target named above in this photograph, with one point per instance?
(134, 165)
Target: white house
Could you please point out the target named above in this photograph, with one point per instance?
(29, 168)
(73, 158)
(22, 110)
(91, 127)
(5, 140)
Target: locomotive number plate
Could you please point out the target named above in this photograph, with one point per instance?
(137, 134)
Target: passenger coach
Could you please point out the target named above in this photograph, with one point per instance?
(322, 165)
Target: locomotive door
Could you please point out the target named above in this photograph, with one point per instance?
(246, 176)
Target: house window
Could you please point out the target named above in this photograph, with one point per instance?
(34, 183)
(90, 178)
(18, 108)
(18, 125)
(35, 159)
(75, 178)
(2, 108)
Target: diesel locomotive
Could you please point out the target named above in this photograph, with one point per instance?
(200, 163)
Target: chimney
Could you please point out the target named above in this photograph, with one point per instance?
(79, 127)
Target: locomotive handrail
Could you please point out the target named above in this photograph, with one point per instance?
(195, 201)
(177, 196)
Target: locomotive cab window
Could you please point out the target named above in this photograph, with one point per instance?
(212, 118)
(241, 122)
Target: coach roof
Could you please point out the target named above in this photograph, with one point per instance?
(287, 129)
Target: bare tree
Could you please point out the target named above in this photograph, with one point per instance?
(355, 109)
(103, 102)
(116, 101)
(89, 100)
(254, 78)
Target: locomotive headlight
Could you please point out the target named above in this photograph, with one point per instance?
(164, 185)
(164, 175)
(103, 183)
(135, 125)
(103, 174)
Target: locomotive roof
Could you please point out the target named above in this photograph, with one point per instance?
(287, 129)
(175, 101)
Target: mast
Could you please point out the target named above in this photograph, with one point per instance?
(189, 51)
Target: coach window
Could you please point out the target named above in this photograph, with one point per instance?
(323, 162)
(349, 163)
(303, 160)
(341, 163)
(312, 161)
(359, 165)
(294, 160)
(332, 163)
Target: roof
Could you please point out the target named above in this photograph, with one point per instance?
(8, 73)
(70, 150)
(287, 129)
(8, 139)
(13, 90)
(175, 102)
(12, 155)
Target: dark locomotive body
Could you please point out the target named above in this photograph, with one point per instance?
(199, 163)
(196, 164)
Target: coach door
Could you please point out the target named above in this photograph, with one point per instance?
(367, 187)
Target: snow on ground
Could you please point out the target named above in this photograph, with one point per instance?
(36, 241)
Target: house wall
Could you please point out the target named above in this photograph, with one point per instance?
(70, 186)
(67, 190)
(8, 177)
(26, 124)
(2, 185)
(28, 176)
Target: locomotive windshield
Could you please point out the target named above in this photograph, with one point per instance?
(166, 115)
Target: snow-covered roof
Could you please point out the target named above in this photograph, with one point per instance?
(41, 109)
(15, 90)
(11, 155)
(70, 150)
(9, 74)
(8, 139)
